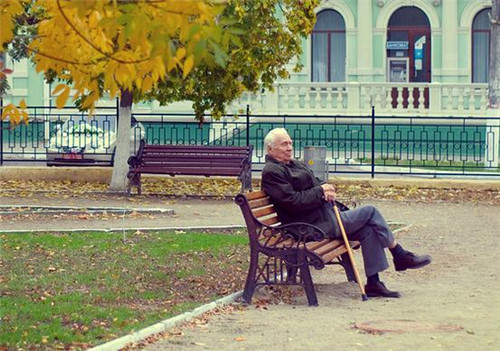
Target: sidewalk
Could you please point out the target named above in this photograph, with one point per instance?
(187, 213)
(448, 305)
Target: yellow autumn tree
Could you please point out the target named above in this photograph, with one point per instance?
(121, 48)
(9, 10)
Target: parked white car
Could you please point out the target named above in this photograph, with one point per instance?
(78, 143)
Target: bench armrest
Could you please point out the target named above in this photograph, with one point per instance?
(296, 236)
(303, 232)
(136, 159)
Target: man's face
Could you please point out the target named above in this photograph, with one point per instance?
(282, 148)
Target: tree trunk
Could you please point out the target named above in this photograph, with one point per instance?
(494, 69)
(122, 152)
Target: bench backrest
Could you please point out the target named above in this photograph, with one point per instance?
(257, 211)
(194, 159)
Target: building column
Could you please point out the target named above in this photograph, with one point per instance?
(365, 39)
(450, 38)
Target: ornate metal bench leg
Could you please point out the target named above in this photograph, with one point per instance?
(346, 263)
(291, 268)
(139, 186)
(251, 281)
(305, 274)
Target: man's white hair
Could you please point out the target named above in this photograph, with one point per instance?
(270, 138)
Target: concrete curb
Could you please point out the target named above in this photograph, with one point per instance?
(122, 229)
(166, 324)
(38, 209)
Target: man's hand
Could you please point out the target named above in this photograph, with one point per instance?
(329, 192)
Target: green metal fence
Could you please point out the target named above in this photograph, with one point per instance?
(370, 144)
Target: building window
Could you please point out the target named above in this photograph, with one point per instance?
(409, 38)
(481, 31)
(328, 48)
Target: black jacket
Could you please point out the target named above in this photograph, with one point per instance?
(297, 195)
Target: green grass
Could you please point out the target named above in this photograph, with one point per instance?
(73, 290)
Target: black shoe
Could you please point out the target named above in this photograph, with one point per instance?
(411, 261)
(379, 290)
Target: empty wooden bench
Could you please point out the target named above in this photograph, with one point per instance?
(278, 257)
(196, 160)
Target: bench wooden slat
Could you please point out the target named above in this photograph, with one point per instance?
(195, 157)
(313, 245)
(331, 255)
(330, 246)
(191, 148)
(270, 221)
(263, 211)
(192, 171)
(259, 203)
(276, 241)
(254, 195)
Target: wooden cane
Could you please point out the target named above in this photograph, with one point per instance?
(349, 252)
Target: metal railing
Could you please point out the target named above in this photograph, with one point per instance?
(369, 144)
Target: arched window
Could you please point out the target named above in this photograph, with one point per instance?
(409, 26)
(481, 31)
(328, 48)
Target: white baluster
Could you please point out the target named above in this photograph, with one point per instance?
(368, 97)
(484, 99)
(340, 98)
(411, 98)
(329, 98)
(317, 99)
(388, 98)
(296, 99)
(286, 98)
(307, 98)
(461, 99)
(261, 100)
(449, 101)
(471, 106)
(378, 97)
(400, 97)
(421, 98)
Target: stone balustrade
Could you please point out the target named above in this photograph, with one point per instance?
(423, 99)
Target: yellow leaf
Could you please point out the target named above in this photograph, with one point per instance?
(180, 53)
(147, 84)
(59, 88)
(188, 66)
(22, 104)
(62, 98)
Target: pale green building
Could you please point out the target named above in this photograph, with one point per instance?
(419, 57)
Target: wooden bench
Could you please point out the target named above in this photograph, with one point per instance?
(278, 257)
(191, 160)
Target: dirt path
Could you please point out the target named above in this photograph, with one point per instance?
(195, 213)
(459, 289)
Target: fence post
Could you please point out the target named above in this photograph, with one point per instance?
(1, 131)
(492, 135)
(373, 143)
(248, 125)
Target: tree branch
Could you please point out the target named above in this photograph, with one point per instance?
(92, 44)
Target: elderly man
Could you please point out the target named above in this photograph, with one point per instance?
(299, 196)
